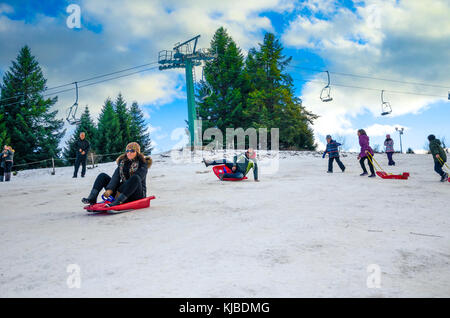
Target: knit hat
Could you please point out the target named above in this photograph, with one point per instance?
(388, 136)
(328, 137)
(431, 137)
(135, 146)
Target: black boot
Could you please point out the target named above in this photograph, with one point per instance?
(206, 162)
(1, 178)
(7, 176)
(121, 199)
(444, 177)
(92, 198)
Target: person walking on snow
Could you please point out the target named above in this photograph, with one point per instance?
(439, 156)
(240, 166)
(83, 147)
(128, 183)
(6, 163)
(364, 154)
(389, 145)
(333, 154)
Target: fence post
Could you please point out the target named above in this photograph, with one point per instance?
(53, 164)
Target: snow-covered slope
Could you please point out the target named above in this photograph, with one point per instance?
(298, 233)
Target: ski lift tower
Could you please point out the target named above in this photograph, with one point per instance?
(186, 55)
(400, 132)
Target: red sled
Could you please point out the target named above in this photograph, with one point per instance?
(224, 169)
(384, 175)
(133, 205)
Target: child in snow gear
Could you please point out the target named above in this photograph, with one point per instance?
(240, 166)
(83, 147)
(128, 182)
(439, 156)
(333, 154)
(6, 163)
(365, 149)
(389, 145)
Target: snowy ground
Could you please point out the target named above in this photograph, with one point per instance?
(299, 233)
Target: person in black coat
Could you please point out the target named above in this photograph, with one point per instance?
(6, 163)
(83, 147)
(128, 183)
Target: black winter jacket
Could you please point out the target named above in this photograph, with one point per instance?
(83, 145)
(117, 180)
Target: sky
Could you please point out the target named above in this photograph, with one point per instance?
(401, 47)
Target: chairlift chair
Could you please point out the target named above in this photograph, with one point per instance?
(386, 108)
(325, 94)
(206, 90)
(72, 111)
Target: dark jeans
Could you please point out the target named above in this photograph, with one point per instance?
(364, 167)
(5, 170)
(391, 161)
(438, 168)
(82, 160)
(237, 174)
(339, 162)
(132, 188)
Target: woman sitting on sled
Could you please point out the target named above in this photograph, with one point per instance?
(128, 182)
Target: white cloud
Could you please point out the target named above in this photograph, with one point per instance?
(377, 130)
(5, 8)
(402, 40)
(171, 21)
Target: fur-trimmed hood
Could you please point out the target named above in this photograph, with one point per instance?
(141, 157)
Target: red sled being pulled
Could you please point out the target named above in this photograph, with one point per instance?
(224, 169)
(385, 175)
(128, 206)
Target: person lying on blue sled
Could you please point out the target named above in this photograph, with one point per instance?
(240, 166)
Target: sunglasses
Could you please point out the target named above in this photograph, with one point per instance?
(130, 150)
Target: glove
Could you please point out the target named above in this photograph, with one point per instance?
(324, 154)
(108, 193)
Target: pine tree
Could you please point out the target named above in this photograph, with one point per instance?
(109, 139)
(124, 119)
(4, 139)
(138, 129)
(33, 130)
(223, 108)
(85, 125)
(271, 101)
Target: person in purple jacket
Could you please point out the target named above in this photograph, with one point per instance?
(389, 144)
(363, 155)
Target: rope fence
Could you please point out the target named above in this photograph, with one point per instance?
(92, 157)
